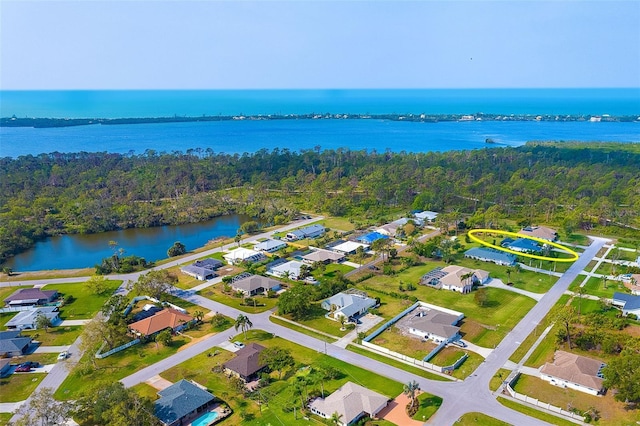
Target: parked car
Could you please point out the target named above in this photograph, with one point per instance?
(63, 355)
(31, 364)
(239, 345)
(22, 368)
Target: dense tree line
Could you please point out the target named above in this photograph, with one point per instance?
(576, 185)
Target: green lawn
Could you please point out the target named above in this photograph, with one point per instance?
(85, 304)
(331, 270)
(315, 319)
(117, 366)
(56, 336)
(339, 223)
(146, 391)
(262, 303)
(595, 287)
(451, 354)
(393, 339)
(18, 386)
(4, 418)
(429, 404)
(479, 419)
(395, 363)
(302, 330)
(498, 379)
(278, 392)
(532, 412)
(41, 358)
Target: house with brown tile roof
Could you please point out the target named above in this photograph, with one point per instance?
(246, 364)
(166, 318)
(574, 371)
(351, 402)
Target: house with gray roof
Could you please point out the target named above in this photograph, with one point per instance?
(5, 366)
(181, 403)
(435, 325)
(491, 255)
(523, 245)
(322, 255)
(255, 284)
(311, 231)
(26, 320)
(627, 303)
(201, 271)
(351, 402)
(425, 217)
(289, 269)
(13, 344)
(31, 297)
(246, 364)
(270, 246)
(348, 305)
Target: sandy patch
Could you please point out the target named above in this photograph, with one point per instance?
(194, 341)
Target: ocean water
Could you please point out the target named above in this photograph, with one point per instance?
(168, 103)
(249, 136)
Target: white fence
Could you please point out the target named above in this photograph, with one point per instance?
(402, 357)
(538, 403)
(114, 350)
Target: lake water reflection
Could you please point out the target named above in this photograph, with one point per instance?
(82, 251)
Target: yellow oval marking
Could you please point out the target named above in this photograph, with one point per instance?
(518, 253)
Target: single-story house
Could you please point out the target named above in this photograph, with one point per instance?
(322, 255)
(425, 217)
(13, 344)
(5, 366)
(391, 229)
(348, 304)
(246, 364)
(311, 231)
(351, 402)
(540, 232)
(289, 270)
(241, 254)
(455, 278)
(574, 371)
(349, 247)
(166, 318)
(270, 246)
(628, 303)
(371, 237)
(203, 269)
(523, 245)
(26, 320)
(31, 297)
(435, 325)
(181, 403)
(491, 255)
(255, 284)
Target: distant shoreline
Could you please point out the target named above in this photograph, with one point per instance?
(423, 118)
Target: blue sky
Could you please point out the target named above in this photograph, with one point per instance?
(318, 44)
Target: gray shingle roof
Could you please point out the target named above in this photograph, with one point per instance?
(631, 302)
(14, 345)
(247, 360)
(493, 255)
(180, 399)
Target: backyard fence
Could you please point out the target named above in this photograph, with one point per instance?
(100, 355)
(536, 402)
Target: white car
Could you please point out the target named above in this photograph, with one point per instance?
(238, 345)
(63, 355)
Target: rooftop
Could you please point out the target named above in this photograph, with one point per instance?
(576, 369)
(180, 399)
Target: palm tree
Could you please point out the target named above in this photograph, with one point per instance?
(335, 418)
(243, 323)
(508, 271)
(198, 315)
(410, 390)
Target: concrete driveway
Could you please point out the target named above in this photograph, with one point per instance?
(396, 412)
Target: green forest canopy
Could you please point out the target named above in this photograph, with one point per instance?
(573, 184)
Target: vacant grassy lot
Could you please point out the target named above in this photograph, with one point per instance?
(85, 304)
(611, 411)
(279, 393)
(18, 386)
(537, 414)
(262, 303)
(596, 287)
(450, 354)
(393, 339)
(338, 223)
(56, 336)
(476, 419)
(41, 358)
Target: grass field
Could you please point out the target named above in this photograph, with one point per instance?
(4, 418)
(315, 319)
(338, 223)
(612, 412)
(85, 304)
(56, 336)
(595, 287)
(18, 386)
(215, 293)
(279, 393)
(479, 419)
(302, 330)
(451, 354)
(532, 412)
(394, 363)
(429, 404)
(498, 379)
(41, 358)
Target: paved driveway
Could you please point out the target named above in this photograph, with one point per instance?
(396, 412)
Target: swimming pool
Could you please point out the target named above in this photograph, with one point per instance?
(205, 420)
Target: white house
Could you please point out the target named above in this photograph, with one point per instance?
(391, 229)
(26, 320)
(574, 371)
(349, 247)
(311, 231)
(270, 246)
(351, 402)
(241, 254)
(425, 217)
(434, 324)
(456, 278)
(348, 304)
(628, 303)
(289, 270)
